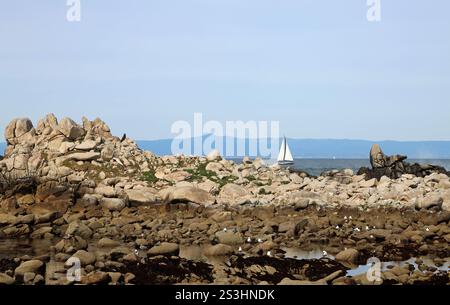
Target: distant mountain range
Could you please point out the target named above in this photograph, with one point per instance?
(339, 149)
(328, 148)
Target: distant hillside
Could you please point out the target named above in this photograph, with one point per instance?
(344, 149)
(318, 148)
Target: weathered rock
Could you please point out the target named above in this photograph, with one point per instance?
(379, 160)
(429, 201)
(171, 249)
(17, 131)
(114, 204)
(6, 219)
(141, 196)
(70, 129)
(107, 152)
(219, 250)
(86, 145)
(230, 238)
(187, 194)
(84, 156)
(30, 266)
(95, 278)
(214, 155)
(234, 194)
(6, 279)
(107, 243)
(86, 258)
(77, 228)
(105, 191)
(348, 256)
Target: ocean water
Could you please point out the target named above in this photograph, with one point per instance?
(317, 166)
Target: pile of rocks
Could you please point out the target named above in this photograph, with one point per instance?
(395, 166)
(124, 212)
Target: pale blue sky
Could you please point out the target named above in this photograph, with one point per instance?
(317, 66)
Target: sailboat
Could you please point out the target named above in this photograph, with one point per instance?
(285, 155)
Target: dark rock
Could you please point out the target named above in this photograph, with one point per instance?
(395, 166)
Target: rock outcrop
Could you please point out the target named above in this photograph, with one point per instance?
(128, 216)
(395, 166)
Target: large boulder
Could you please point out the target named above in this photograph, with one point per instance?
(394, 166)
(143, 196)
(70, 129)
(185, 194)
(234, 194)
(379, 160)
(84, 156)
(19, 131)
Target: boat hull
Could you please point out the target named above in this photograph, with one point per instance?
(285, 163)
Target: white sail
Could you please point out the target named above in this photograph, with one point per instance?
(285, 152)
(288, 156)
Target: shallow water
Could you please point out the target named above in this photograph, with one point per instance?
(11, 248)
(362, 269)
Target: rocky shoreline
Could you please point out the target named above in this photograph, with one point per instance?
(128, 216)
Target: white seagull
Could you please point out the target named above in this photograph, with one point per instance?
(249, 240)
(269, 253)
(325, 253)
(260, 240)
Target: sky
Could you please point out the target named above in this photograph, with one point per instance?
(319, 67)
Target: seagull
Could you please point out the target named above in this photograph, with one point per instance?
(367, 228)
(325, 253)
(350, 218)
(269, 253)
(345, 217)
(249, 240)
(225, 229)
(240, 249)
(357, 230)
(337, 227)
(136, 252)
(260, 240)
(372, 237)
(427, 229)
